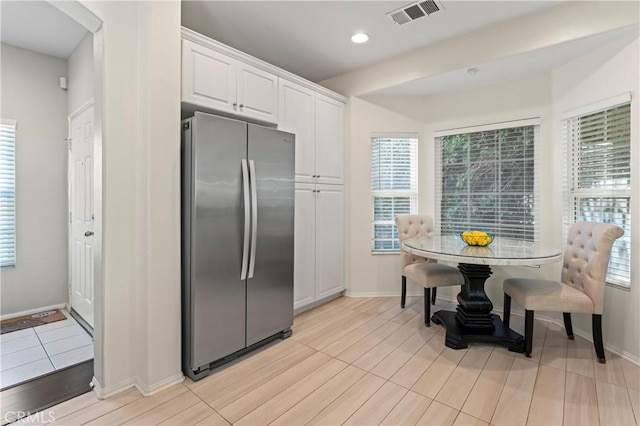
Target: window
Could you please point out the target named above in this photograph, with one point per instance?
(7, 193)
(597, 181)
(394, 186)
(486, 180)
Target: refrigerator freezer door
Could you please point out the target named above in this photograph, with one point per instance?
(217, 293)
(270, 291)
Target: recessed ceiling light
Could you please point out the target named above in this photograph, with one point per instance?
(359, 38)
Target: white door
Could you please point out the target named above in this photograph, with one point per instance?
(297, 116)
(257, 93)
(329, 140)
(304, 269)
(208, 78)
(329, 240)
(82, 214)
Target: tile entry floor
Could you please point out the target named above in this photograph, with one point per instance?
(32, 352)
(365, 361)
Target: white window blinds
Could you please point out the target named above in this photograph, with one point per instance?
(7, 193)
(597, 177)
(486, 180)
(394, 187)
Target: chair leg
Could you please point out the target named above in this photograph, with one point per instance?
(567, 325)
(506, 315)
(596, 325)
(403, 297)
(433, 295)
(528, 332)
(427, 307)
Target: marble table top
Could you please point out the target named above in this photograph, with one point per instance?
(502, 251)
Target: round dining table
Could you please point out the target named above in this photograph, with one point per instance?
(473, 320)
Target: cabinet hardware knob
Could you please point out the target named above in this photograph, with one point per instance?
(241, 105)
(88, 233)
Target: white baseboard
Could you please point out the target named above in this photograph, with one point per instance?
(33, 311)
(371, 294)
(108, 392)
(160, 386)
(611, 348)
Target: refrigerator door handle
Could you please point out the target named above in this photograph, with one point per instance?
(247, 223)
(254, 217)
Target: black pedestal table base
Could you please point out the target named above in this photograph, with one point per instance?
(473, 320)
(458, 337)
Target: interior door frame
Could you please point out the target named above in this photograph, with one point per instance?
(78, 12)
(89, 104)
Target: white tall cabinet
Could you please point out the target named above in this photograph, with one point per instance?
(222, 80)
(318, 123)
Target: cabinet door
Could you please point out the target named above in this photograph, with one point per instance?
(304, 269)
(329, 140)
(257, 93)
(296, 115)
(329, 240)
(208, 78)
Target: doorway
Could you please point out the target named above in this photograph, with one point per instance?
(81, 213)
(56, 380)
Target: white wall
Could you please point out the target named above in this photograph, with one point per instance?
(80, 74)
(32, 97)
(138, 302)
(367, 274)
(602, 74)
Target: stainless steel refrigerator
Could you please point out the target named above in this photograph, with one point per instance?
(237, 239)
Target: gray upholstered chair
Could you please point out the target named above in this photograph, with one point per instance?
(425, 272)
(581, 289)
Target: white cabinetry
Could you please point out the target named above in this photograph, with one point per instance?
(319, 242)
(318, 123)
(222, 80)
(329, 140)
(297, 115)
(304, 270)
(215, 81)
(329, 240)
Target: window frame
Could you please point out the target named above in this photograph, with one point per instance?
(439, 190)
(8, 208)
(570, 176)
(412, 193)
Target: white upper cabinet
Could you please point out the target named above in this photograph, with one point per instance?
(208, 77)
(329, 149)
(219, 82)
(318, 123)
(257, 93)
(296, 115)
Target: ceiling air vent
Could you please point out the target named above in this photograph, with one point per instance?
(413, 11)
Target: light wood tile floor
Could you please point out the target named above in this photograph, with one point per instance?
(365, 361)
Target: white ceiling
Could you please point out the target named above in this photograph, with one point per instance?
(312, 38)
(507, 69)
(39, 26)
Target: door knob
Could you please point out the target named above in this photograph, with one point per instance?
(88, 233)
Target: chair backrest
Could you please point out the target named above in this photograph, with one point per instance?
(409, 226)
(586, 258)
